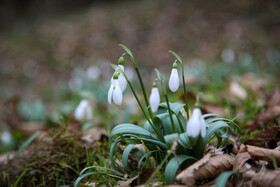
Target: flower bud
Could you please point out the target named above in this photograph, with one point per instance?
(154, 98)
(174, 80)
(196, 124)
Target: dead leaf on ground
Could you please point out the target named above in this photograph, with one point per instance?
(213, 108)
(268, 179)
(237, 91)
(274, 99)
(206, 168)
(267, 138)
(5, 157)
(264, 154)
(94, 134)
(253, 81)
(241, 163)
(264, 118)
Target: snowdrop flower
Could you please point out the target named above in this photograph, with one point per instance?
(115, 91)
(83, 111)
(154, 98)
(196, 124)
(121, 78)
(174, 78)
(6, 138)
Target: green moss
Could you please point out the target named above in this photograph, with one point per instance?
(57, 161)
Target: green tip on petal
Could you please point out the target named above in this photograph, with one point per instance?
(115, 76)
(121, 60)
(174, 66)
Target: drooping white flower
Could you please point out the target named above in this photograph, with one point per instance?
(121, 79)
(83, 111)
(115, 92)
(6, 138)
(174, 80)
(154, 99)
(196, 124)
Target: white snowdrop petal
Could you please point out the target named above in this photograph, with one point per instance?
(174, 80)
(194, 125)
(203, 128)
(117, 94)
(154, 99)
(122, 82)
(83, 111)
(110, 92)
(121, 67)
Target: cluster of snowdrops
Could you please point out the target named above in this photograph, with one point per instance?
(169, 139)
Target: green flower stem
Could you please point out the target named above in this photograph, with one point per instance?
(139, 103)
(142, 87)
(185, 90)
(178, 58)
(166, 98)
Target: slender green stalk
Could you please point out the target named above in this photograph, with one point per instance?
(178, 58)
(166, 98)
(143, 88)
(139, 103)
(129, 53)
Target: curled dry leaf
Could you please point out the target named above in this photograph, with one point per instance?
(206, 168)
(241, 164)
(264, 154)
(268, 179)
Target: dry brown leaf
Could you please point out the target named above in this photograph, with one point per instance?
(266, 179)
(264, 154)
(94, 134)
(267, 138)
(237, 91)
(274, 99)
(253, 81)
(264, 118)
(206, 168)
(214, 109)
(5, 157)
(241, 164)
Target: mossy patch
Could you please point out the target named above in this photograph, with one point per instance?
(57, 161)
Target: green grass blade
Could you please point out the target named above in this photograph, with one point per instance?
(94, 173)
(99, 167)
(28, 141)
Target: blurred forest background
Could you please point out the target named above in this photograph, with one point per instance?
(48, 48)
